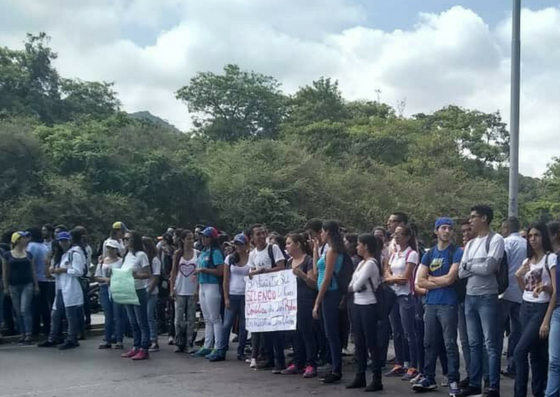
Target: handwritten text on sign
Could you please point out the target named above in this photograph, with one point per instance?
(271, 302)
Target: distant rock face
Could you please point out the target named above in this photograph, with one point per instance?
(147, 116)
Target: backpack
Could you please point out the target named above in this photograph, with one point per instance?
(273, 260)
(460, 285)
(344, 275)
(502, 276)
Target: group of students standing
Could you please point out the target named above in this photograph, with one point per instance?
(377, 285)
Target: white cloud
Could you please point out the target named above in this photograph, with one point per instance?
(449, 58)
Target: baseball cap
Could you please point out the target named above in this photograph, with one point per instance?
(63, 236)
(112, 243)
(240, 239)
(444, 221)
(17, 235)
(210, 232)
(119, 226)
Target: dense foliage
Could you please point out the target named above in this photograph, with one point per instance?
(69, 155)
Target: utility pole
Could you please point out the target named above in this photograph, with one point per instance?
(514, 110)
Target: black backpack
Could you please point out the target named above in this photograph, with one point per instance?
(502, 276)
(273, 260)
(460, 285)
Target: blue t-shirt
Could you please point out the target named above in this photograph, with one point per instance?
(321, 264)
(39, 252)
(204, 263)
(440, 266)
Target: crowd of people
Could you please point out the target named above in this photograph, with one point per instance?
(368, 288)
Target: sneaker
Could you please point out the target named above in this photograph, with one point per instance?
(68, 346)
(444, 381)
(397, 371)
(375, 385)
(471, 391)
(179, 349)
(129, 354)
(202, 352)
(211, 354)
(464, 383)
(492, 393)
(119, 346)
(346, 353)
(265, 365)
(141, 355)
(27, 342)
(310, 372)
(325, 368)
(171, 341)
(425, 385)
(253, 363)
(332, 378)
(454, 390)
(154, 348)
(277, 370)
(359, 382)
(410, 374)
(216, 357)
(48, 343)
(292, 370)
(104, 346)
(417, 379)
(508, 374)
(241, 357)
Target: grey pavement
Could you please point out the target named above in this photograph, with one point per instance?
(87, 371)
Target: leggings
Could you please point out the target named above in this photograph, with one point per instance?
(210, 303)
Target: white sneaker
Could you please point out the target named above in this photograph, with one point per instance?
(253, 363)
(416, 379)
(171, 341)
(445, 381)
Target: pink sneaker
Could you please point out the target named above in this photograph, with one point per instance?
(129, 354)
(291, 370)
(310, 372)
(141, 355)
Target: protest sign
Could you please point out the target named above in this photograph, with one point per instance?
(271, 302)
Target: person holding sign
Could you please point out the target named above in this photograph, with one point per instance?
(266, 258)
(305, 346)
(365, 311)
(328, 299)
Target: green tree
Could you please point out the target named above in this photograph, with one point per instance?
(235, 105)
(87, 98)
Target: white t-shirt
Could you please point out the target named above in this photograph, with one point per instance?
(104, 270)
(397, 263)
(261, 260)
(536, 276)
(156, 271)
(136, 262)
(186, 282)
(365, 271)
(237, 276)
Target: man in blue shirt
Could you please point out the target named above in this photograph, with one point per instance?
(438, 274)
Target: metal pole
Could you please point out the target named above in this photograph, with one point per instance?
(514, 116)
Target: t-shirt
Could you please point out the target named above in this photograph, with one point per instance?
(539, 275)
(156, 271)
(261, 260)
(366, 275)
(39, 252)
(321, 268)
(480, 267)
(439, 266)
(304, 292)
(186, 282)
(397, 263)
(237, 276)
(104, 270)
(21, 269)
(136, 262)
(204, 262)
(516, 250)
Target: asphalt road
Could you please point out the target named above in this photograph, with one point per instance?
(87, 371)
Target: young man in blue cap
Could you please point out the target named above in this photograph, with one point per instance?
(438, 274)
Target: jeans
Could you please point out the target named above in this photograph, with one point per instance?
(42, 306)
(553, 385)
(402, 321)
(419, 331)
(113, 316)
(364, 322)
(152, 317)
(532, 315)
(305, 345)
(481, 313)
(237, 308)
(138, 317)
(464, 336)
(1, 303)
(330, 312)
(72, 313)
(210, 303)
(509, 311)
(185, 317)
(444, 318)
(22, 295)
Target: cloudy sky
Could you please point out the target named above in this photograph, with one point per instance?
(430, 53)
